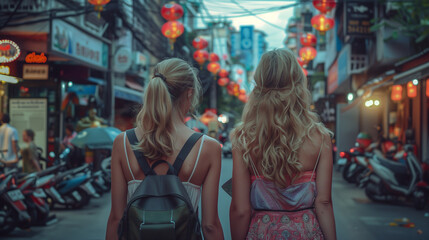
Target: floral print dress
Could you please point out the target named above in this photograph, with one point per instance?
(286, 213)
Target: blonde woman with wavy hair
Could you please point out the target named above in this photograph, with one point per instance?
(173, 91)
(282, 159)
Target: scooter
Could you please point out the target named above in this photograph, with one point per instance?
(13, 210)
(35, 199)
(390, 180)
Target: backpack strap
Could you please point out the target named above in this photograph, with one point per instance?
(141, 159)
(185, 151)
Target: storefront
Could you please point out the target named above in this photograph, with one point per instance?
(64, 71)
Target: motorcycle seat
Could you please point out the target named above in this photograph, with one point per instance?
(398, 168)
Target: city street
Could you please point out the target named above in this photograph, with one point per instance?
(356, 217)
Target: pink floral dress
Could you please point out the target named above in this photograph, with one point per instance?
(286, 213)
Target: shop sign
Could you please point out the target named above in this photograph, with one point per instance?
(333, 77)
(122, 60)
(140, 59)
(69, 40)
(35, 71)
(5, 70)
(326, 109)
(358, 18)
(9, 51)
(36, 58)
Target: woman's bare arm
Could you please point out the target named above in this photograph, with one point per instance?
(323, 202)
(119, 189)
(212, 229)
(240, 209)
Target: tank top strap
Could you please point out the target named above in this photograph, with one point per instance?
(317, 161)
(198, 158)
(126, 155)
(255, 170)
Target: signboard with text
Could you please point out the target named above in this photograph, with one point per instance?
(30, 113)
(69, 40)
(358, 18)
(35, 71)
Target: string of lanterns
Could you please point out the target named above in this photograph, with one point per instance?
(172, 29)
(321, 23)
(201, 56)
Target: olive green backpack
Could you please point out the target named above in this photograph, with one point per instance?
(160, 207)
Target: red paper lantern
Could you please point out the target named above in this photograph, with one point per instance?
(324, 5)
(396, 93)
(213, 57)
(201, 56)
(239, 71)
(308, 39)
(171, 11)
(172, 30)
(230, 88)
(98, 5)
(411, 90)
(322, 23)
(199, 43)
(307, 53)
(301, 62)
(242, 91)
(242, 97)
(223, 73)
(213, 67)
(223, 81)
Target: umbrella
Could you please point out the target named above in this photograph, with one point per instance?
(96, 138)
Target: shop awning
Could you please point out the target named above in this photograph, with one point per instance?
(128, 94)
(414, 73)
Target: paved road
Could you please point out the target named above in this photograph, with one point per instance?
(356, 217)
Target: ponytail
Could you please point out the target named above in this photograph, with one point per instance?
(155, 120)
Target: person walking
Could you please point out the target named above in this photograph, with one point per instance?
(282, 159)
(161, 132)
(8, 143)
(30, 157)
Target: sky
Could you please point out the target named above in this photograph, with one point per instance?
(230, 9)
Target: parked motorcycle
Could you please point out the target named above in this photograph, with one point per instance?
(13, 210)
(389, 180)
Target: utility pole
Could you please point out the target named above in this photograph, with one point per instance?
(213, 90)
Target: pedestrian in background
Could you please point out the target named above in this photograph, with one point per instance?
(29, 154)
(161, 131)
(70, 133)
(282, 159)
(8, 143)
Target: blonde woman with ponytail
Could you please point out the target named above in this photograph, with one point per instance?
(282, 159)
(173, 91)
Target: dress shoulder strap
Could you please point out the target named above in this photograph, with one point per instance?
(317, 161)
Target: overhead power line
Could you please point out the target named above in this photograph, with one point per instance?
(269, 23)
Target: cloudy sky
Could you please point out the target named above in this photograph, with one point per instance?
(268, 19)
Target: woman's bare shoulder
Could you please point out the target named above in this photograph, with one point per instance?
(211, 146)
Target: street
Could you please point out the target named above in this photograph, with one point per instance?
(356, 217)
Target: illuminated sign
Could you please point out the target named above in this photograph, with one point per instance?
(9, 51)
(34, 58)
(4, 70)
(35, 71)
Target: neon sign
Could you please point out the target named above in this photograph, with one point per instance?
(4, 70)
(9, 51)
(34, 58)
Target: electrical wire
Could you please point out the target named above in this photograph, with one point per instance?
(269, 23)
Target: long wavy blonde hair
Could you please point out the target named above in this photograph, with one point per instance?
(277, 118)
(165, 93)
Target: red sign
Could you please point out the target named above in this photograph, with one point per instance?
(34, 58)
(333, 78)
(9, 51)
